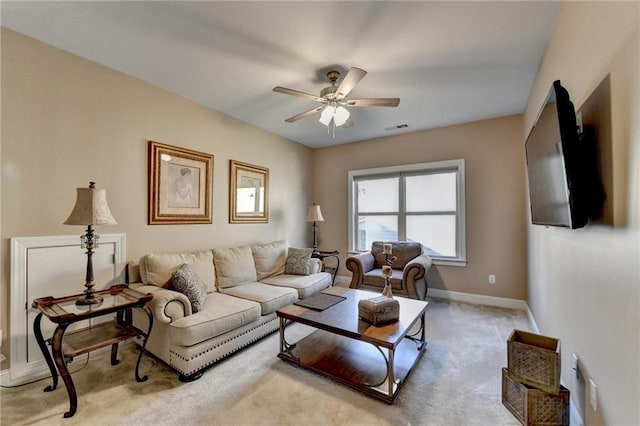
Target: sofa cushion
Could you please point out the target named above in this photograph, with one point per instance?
(186, 281)
(220, 313)
(270, 298)
(156, 269)
(270, 259)
(305, 286)
(298, 261)
(404, 252)
(234, 266)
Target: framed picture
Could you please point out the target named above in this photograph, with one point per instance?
(248, 193)
(180, 182)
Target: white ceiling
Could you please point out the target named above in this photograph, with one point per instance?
(449, 62)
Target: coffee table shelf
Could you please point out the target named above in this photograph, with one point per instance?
(373, 360)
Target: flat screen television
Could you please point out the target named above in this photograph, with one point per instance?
(564, 184)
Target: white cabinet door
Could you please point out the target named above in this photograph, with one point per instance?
(53, 266)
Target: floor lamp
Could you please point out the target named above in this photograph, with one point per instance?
(315, 215)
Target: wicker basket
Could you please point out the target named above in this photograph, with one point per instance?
(534, 360)
(532, 406)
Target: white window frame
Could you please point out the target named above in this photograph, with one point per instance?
(457, 165)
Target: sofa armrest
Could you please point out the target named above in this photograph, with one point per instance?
(359, 265)
(413, 272)
(315, 266)
(166, 305)
(132, 273)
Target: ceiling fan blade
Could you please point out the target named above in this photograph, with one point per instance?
(349, 82)
(304, 114)
(297, 93)
(383, 102)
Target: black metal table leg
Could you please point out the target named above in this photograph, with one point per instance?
(45, 352)
(144, 345)
(58, 356)
(114, 354)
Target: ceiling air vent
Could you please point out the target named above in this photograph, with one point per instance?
(399, 126)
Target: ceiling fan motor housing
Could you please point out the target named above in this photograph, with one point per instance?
(328, 92)
(333, 76)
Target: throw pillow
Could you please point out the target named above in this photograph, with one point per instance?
(298, 261)
(186, 281)
(156, 269)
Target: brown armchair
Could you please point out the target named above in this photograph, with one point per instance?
(409, 270)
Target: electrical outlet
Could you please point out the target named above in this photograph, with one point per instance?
(492, 279)
(593, 395)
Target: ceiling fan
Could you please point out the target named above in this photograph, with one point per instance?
(334, 99)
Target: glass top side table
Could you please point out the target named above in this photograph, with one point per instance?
(63, 311)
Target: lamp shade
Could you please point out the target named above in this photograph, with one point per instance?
(314, 214)
(327, 115)
(91, 208)
(341, 116)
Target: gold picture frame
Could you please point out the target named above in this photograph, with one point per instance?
(180, 185)
(248, 193)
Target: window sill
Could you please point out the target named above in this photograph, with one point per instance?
(450, 262)
(461, 263)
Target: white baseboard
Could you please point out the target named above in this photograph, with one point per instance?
(40, 370)
(479, 299)
(4, 377)
(28, 377)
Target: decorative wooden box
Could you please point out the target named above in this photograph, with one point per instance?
(532, 406)
(379, 310)
(534, 360)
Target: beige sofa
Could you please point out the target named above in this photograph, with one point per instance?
(245, 287)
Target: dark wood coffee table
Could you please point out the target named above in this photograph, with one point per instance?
(375, 360)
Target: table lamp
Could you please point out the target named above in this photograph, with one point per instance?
(91, 209)
(315, 215)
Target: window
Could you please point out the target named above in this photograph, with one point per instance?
(417, 202)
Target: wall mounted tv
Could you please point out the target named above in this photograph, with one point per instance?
(564, 184)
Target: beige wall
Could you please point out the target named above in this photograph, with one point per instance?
(66, 121)
(495, 197)
(584, 285)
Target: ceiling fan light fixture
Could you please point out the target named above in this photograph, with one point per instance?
(341, 116)
(333, 100)
(327, 115)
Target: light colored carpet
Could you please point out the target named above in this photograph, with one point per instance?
(457, 382)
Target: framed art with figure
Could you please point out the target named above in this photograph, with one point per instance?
(248, 193)
(180, 185)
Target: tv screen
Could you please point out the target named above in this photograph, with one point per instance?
(564, 186)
